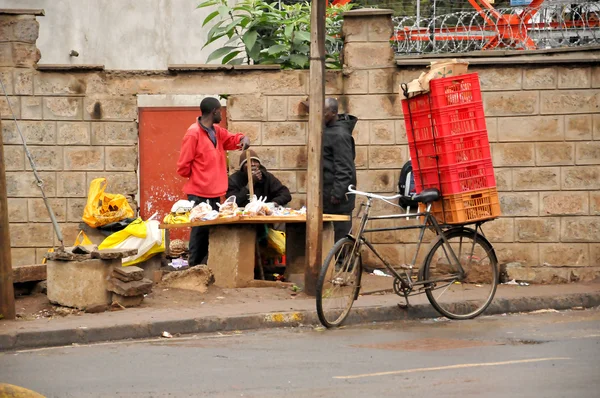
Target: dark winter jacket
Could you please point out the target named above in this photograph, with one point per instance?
(339, 170)
(270, 187)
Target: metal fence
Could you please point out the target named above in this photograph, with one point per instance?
(550, 26)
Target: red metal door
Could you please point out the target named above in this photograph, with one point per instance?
(161, 131)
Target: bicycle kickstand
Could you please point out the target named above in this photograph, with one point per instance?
(401, 290)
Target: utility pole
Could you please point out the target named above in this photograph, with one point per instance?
(314, 197)
(7, 294)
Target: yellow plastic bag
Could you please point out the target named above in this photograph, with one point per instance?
(82, 240)
(104, 208)
(173, 218)
(276, 240)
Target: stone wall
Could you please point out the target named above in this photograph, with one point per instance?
(543, 123)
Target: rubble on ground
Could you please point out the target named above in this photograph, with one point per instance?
(197, 278)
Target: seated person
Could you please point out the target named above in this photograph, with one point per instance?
(265, 183)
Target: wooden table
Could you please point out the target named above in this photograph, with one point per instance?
(232, 245)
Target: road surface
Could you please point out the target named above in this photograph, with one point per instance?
(546, 354)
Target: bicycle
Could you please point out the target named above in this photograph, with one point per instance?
(459, 282)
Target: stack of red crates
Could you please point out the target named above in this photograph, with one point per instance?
(450, 150)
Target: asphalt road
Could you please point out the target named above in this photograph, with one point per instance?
(532, 355)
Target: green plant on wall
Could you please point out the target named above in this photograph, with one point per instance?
(260, 32)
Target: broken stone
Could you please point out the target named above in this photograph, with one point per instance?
(128, 301)
(197, 278)
(80, 250)
(29, 273)
(60, 255)
(113, 254)
(128, 274)
(134, 288)
(96, 309)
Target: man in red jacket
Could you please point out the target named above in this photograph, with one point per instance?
(202, 161)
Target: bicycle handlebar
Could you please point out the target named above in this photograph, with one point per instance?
(372, 195)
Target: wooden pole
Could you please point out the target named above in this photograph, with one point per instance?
(7, 294)
(249, 170)
(314, 197)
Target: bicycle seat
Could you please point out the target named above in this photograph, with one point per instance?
(427, 196)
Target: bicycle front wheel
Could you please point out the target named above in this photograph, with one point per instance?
(338, 283)
(456, 294)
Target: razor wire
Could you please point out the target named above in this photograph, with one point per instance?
(520, 28)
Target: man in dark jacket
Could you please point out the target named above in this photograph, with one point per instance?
(264, 183)
(339, 170)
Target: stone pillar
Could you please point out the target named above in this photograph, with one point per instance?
(367, 34)
(18, 33)
(369, 67)
(231, 254)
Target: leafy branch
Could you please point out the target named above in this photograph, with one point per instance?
(260, 32)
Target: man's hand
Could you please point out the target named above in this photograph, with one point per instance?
(257, 175)
(335, 201)
(244, 143)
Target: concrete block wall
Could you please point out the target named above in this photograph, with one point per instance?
(543, 123)
(546, 153)
(73, 137)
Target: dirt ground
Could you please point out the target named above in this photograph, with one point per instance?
(37, 306)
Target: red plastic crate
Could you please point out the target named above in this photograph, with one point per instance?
(445, 123)
(454, 179)
(450, 150)
(455, 90)
(417, 104)
(445, 92)
(466, 207)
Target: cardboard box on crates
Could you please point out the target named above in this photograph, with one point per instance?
(447, 68)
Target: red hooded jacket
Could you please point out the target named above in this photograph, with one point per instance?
(203, 163)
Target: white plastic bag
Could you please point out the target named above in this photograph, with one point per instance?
(229, 208)
(258, 207)
(182, 206)
(203, 212)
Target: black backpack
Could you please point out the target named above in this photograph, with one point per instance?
(406, 186)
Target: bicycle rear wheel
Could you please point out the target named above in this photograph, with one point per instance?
(338, 283)
(459, 296)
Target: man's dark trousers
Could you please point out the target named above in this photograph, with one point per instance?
(199, 235)
(342, 228)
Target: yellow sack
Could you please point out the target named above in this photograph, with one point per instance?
(276, 240)
(104, 208)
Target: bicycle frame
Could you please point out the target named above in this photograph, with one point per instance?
(429, 222)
